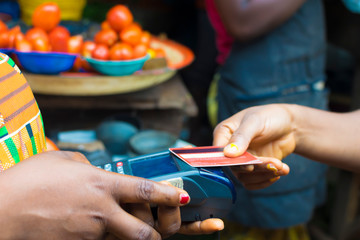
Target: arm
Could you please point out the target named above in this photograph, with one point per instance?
(58, 195)
(277, 130)
(247, 19)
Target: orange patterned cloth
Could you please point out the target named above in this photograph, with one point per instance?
(21, 126)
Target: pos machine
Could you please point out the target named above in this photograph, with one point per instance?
(211, 192)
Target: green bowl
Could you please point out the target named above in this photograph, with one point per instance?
(117, 68)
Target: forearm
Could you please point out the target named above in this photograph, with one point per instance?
(331, 138)
(247, 19)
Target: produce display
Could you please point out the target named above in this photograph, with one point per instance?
(119, 39)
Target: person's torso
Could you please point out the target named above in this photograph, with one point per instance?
(292, 54)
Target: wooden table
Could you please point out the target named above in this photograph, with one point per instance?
(163, 106)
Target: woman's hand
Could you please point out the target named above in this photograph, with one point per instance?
(265, 131)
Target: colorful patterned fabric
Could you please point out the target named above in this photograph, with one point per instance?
(21, 126)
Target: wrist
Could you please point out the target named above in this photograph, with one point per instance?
(298, 117)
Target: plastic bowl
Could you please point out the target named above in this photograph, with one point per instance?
(151, 141)
(6, 51)
(46, 63)
(117, 68)
(116, 135)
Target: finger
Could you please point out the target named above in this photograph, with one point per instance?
(256, 178)
(129, 189)
(207, 226)
(239, 141)
(125, 226)
(169, 220)
(75, 156)
(142, 212)
(222, 133)
(265, 184)
(267, 165)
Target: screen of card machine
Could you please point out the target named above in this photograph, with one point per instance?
(156, 167)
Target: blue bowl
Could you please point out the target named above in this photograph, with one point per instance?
(116, 135)
(151, 141)
(6, 51)
(46, 63)
(117, 68)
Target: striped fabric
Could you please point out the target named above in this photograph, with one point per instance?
(21, 126)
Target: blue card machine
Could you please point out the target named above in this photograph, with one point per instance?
(211, 191)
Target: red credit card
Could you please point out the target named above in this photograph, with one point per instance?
(211, 157)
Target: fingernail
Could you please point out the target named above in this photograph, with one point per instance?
(184, 198)
(271, 167)
(232, 147)
(274, 179)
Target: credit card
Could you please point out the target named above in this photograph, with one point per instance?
(212, 156)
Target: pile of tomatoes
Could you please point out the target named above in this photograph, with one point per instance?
(120, 38)
(45, 35)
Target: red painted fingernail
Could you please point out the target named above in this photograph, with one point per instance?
(184, 198)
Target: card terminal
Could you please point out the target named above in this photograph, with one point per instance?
(212, 193)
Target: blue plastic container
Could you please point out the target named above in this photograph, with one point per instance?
(6, 51)
(117, 68)
(46, 63)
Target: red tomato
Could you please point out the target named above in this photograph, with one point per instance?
(74, 44)
(50, 145)
(13, 32)
(106, 36)
(23, 45)
(145, 38)
(34, 33)
(58, 38)
(121, 51)
(140, 50)
(3, 27)
(131, 34)
(100, 52)
(46, 16)
(105, 25)
(41, 45)
(87, 48)
(119, 17)
(4, 39)
(159, 52)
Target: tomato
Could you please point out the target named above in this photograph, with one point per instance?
(50, 145)
(106, 36)
(87, 48)
(131, 34)
(119, 17)
(105, 25)
(159, 53)
(34, 33)
(100, 52)
(74, 44)
(140, 50)
(3, 27)
(40, 44)
(23, 45)
(13, 32)
(46, 16)
(121, 51)
(58, 38)
(4, 39)
(145, 38)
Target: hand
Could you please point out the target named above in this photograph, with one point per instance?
(56, 195)
(266, 132)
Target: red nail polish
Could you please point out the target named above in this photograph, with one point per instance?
(184, 198)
